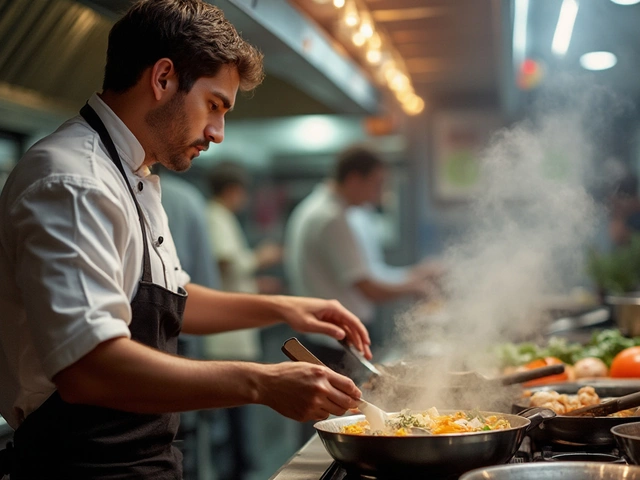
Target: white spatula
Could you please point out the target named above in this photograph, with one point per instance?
(297, 352)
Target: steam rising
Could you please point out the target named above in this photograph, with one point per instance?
(531, 222)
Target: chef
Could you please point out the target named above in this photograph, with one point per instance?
(93, 295)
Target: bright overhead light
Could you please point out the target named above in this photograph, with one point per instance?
(521, 12)
(358, 39)
(351, 17)
(414, 106)
(366, 29)
(374, 56)
(626, 2)
(564, 29)
(598, 60)
(338, 3)
(375, 41)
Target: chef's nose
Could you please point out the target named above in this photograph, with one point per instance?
(215, 133)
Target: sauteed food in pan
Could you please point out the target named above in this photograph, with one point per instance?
(565, 403)
(431, 422)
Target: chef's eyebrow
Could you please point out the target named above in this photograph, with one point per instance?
(225, 100)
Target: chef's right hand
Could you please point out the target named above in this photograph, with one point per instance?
(303, 391)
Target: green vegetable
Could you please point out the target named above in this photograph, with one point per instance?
(617, 271)
(604, 344)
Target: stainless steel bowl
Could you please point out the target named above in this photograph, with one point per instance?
(628, 438)
(556, 471)
(626, 311)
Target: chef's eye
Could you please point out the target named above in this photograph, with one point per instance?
(213, 106)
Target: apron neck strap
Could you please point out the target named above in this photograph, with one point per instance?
(92, 118)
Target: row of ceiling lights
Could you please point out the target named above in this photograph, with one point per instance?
(529, 70)
(564, 29)
(356, 24)
(600, 60)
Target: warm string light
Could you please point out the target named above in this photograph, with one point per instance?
(358, 39)
(374, 56)
(351, 17)
(389, 67)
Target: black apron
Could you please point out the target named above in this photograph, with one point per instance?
(61, 440)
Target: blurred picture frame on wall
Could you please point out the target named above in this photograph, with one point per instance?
(457, 141)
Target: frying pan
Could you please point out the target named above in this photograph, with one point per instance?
(580, 430)
(427, 456)
(424, 455)
(555, 471)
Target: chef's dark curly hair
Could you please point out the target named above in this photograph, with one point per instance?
(193, 34)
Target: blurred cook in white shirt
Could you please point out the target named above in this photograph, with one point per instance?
(238, 263)
(325, 257)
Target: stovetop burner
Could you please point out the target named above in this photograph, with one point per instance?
(527, 453)
(607, 454)
(336, 472)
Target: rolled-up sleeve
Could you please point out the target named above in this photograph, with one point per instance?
(70, 238)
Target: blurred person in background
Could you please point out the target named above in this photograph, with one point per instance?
(238, 263)
(239, 266)
(325, 257)
(93, 293)
(365, 224)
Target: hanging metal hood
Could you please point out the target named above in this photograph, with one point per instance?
(52, 55)
(51, 59)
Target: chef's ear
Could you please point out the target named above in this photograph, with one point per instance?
(164, 79)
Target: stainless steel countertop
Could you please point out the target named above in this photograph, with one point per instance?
(308, 463)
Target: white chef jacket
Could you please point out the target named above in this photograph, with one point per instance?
(230, 245)
(71, 254)
(322, 256)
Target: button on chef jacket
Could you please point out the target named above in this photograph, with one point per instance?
(70, 262)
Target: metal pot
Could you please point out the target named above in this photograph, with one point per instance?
(628, 438)
(626, 312)
(555, 471)
(426, 456)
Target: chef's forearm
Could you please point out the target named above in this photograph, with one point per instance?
(211, 311)
(126, 375)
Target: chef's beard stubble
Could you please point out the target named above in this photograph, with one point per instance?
(169, 126)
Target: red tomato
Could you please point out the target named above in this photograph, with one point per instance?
(626, 363)
(543, 362)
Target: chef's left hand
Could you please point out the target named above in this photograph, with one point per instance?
(314, 315)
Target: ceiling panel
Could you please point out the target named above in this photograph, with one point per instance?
(448, 45)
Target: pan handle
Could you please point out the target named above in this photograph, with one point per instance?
(604, 409)
(537, 416)
(297, 352)
(533, 374)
